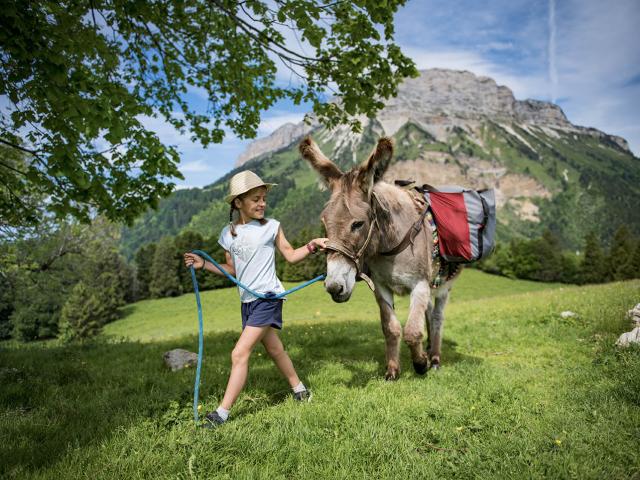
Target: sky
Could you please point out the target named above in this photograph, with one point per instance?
(583, 55)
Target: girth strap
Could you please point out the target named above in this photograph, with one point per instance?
(409, 237)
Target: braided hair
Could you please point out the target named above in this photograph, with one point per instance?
(232, 228)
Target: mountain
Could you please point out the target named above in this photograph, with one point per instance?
(450, 127)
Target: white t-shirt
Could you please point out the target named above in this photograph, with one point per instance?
(253, 254)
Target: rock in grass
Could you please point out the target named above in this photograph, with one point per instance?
(179, 358)
(628, 338)
(568, 314)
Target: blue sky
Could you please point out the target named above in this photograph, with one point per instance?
(584, 55)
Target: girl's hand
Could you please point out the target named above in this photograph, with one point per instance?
(191, 259)
(319, 243)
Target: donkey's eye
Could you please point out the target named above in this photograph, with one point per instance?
(356, 225)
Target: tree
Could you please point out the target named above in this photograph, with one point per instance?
(37, 306)
(621, 252)
(43, 268)
(634, 264)
(631, 267)
(143, 259)
(6, 307)
(593, 268)
(164, 271)
(19, 199)
(185, 242)
(80, 76)
(81, 314)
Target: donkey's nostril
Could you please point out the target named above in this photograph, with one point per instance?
(335, 288)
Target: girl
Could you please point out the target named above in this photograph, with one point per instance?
(249, 250)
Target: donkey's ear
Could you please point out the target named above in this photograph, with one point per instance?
(373, 169)
(328, 170)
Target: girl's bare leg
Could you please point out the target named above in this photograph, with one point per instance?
(275, 349)
(240, 363)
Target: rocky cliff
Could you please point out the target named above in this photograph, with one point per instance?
(449, 127)
(435, 101)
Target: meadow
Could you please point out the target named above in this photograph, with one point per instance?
(523, 393)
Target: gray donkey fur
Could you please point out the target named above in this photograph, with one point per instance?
(357, 198)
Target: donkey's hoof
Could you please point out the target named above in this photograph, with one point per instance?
(420, 367)
(435, 366)
(392, 375)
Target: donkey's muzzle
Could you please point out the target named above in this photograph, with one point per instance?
(337, 291)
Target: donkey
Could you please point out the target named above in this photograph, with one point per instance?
(369, 221)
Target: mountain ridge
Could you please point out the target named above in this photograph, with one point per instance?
(449, 127)
(437, 98)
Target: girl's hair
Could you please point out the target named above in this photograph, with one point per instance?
(232, 227)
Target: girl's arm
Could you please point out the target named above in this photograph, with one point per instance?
(294, 255)
(200, 263)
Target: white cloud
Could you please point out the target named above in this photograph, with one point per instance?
(597, 54)
(196, 166)
(582, 52)
(497, 46)
(273, 122)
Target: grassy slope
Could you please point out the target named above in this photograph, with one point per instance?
(170, 318)
(523, 394)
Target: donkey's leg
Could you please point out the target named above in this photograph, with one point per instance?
(436, 322)
(392, 330)
(414, 329)
(427, 316)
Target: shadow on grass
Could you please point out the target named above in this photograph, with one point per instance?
(58, 398)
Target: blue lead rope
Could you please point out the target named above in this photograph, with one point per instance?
(196, 388)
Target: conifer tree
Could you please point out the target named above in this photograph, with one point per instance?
(620, 253)
(37, 307)
(593, 268)
(143, 260)
(631, 268)
(185, 242)
(80, 317)
(6, 308)
(164, 271)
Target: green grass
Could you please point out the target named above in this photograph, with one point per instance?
(523, 393)
(169, 318)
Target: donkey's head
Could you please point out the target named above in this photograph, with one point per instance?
(348, 215)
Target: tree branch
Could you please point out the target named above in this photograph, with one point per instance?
(246, 26)
(18, 147)
(14, 169)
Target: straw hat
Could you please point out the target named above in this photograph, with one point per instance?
(243, 182)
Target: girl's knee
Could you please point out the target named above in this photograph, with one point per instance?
(240, 355)
(276, 352)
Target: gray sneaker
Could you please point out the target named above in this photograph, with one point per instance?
(212, 420)
(303, 396)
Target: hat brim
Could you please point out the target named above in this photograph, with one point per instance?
(229, 198)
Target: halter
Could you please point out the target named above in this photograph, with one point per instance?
(442, 271)
(356, 257)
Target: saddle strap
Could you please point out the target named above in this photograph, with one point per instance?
(409, 237)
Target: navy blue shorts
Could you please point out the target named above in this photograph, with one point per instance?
(262, 313)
